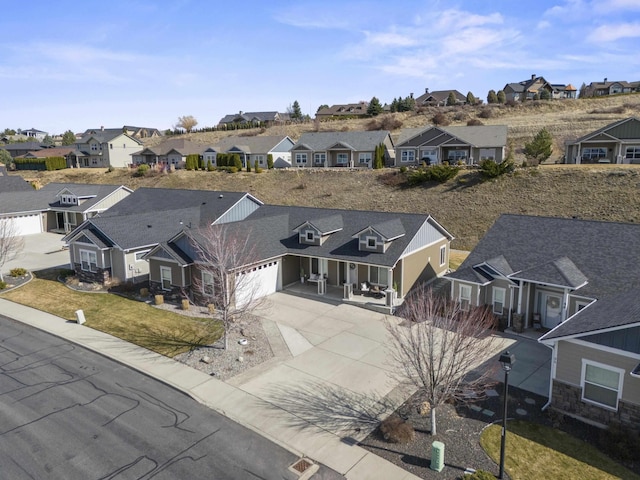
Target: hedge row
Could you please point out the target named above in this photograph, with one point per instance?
(51, 163)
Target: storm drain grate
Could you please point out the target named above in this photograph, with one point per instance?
(301, 465)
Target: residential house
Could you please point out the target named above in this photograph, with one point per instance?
(141, 132)
(330, 248)
(254, 118)
(618, 142)
(170, 152)
(341, 149)
(439, 98)
(253, 149)
(103, 147)
(48, 152)
(606, 87)
(455, 145)
(347, 110)
(562, 91)
(57, 207)
(527, 89)
(569, 278)
(22, 148)
(112, 246)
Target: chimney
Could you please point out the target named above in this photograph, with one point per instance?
(426, 90)
(411, 94)
(533, 76)
(240, 112)
(605, 79)
(102, 128)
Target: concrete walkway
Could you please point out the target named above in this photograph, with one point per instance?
(236, 403)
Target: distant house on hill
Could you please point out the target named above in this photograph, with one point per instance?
(618, 142)
(22, 148)
(257, 118)
(439, 98)
(103, 147)
(254, 149)
(606, 87)
(173, 151)
(343, 110)
(141, 132)
(527, 89)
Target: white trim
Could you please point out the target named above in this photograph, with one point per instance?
(619, 371)
(605, 348)
(460, 295)
(443, 255)
(165, 269)
(544, 284)
(576, 336)
(495, 290)
(89, 253)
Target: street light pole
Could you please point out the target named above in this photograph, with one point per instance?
(506, 360)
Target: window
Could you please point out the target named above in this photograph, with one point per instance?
(94, 147)
(165, 278)
(601, 384)
(443, 255)
(498, 300)
(455, 156)
(207, 283)
(590, 154)
(464, 297)
(111, 146)
(488, 154)
(408, 156)
(342, 159)
(379, 275)
(632, 152)
(259, 158)
(301, 158)
(88, 261)
(141, 254)
(310, 236)
(372, 242)
(319, 158)
(365, 158)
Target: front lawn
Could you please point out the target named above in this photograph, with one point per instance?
(537, 451)
(163, 332)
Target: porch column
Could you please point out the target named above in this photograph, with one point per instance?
(565, 305)
(579, 154)
(520, 297)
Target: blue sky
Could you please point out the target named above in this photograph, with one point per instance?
(82, 64)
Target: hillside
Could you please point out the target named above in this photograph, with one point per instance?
(464, 205)
(565, 119)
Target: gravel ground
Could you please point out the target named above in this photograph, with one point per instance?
(237, 358)
(460, 426)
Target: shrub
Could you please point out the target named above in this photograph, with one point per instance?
(18, 272)
(232, 169)
(440, 119)
(270, 161)
(479, 475)
(437, 173)
(492, 169)
(3, 285)
(185, 304)
(210, 167)
(474, 122)
(486, 113)
(403, 169)
(142, 170)
(396, 430)
(144, 292)
(159, 299)
(248, 165)
(236, 161)
(110, 169)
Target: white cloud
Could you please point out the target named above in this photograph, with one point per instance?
(390, 39)
(613, 32)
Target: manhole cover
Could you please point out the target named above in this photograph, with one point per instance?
(301, 465)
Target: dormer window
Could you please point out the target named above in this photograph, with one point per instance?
(310, 236)
(371, 242)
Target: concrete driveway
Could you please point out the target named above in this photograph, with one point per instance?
(333, 370)
(41, 250)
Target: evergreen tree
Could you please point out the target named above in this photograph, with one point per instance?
(583, 90)
(492, 97)
(294, 111)
(501, 97)
(471, 99)
(451, 99)
(374, 107)
(541, 147)
(68, 138)
(545, 94)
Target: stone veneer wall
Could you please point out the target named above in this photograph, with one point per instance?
(101, 276)
(568, 398)
(174, 294)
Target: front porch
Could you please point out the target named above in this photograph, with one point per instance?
(335, 295)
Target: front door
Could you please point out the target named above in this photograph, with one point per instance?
(551, 309)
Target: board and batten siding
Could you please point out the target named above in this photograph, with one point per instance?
(569, 367)
(111, 199)
(241, 210)
(427, 234)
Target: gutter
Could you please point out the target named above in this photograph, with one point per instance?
(552, 373)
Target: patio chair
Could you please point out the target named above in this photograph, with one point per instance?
(364, 288)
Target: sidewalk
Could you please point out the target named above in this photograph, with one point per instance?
(266, 419)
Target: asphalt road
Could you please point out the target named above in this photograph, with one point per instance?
(68, 413)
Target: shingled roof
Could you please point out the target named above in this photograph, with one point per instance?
(358, 141)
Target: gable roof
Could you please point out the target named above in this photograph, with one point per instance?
(244, 117)
(104, 135)
(344, 109)
(606, 129)
(478, 136)
(257, 144)
(48, 152)
(179, 145)
(358, 141)
(439, 96)
(13, 183)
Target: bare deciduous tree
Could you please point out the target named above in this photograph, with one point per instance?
(224, 274)
(186, 122)
(10, 243)
(439, 344)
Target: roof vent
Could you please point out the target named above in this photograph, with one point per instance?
(148, 226)
(221, 196)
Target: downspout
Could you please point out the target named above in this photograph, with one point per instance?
(554, 361)
(510, 305)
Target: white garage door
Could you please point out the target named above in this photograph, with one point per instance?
(258, 282)
(24, 224)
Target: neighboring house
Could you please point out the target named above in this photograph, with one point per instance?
(439, 98)
(13, 183)
(254, 118)
(32, 133)
(599, 89)
(252, 149)
(111, 246)
(340, 149)
(103, 147)
(434, 145)
(563, 91)
(618, 142)
(22, 148)
(57, 207)
(173, 152)
(567, 276)
(343, 110)
(141, 132)
(329, 247)
(527, 89)
(48, 152)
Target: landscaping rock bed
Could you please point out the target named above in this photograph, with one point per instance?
(15, 282)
